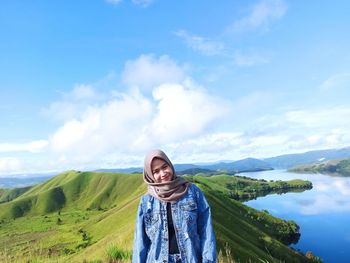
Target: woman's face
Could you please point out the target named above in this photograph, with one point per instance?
(161, 170)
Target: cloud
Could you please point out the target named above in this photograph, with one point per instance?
(183, 110)
(207, 47)
(147, 72)
(261, 16)
(329, 117)
(141, 3)
(33, 147)
(134, 121)
(309, 140)
(10, 165)
(81, 92)
(200, 44)
(336, 82)
(250, 59)
(99, 130)
(186, 121)
(73, 102)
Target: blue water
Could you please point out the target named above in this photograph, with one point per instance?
(323, 213)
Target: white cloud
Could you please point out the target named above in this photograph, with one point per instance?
(81, 92)
(261, 16)
(33, 147)
(329, 117)
(250, 59)
(10, 165)
(183, 110)
(147, 72)
(141, 3)
(103, 129)
(131, 123)
(336, 82)
(73, 103)
(202, 45)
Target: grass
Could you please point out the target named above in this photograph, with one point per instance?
(75, 216)
(115, 254)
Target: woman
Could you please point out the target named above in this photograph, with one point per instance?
(174, 220)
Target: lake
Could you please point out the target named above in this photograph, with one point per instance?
(323, 213)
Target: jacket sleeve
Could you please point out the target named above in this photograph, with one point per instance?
(205, 230)
(141, 240)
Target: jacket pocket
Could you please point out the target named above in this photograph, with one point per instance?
(190, 212)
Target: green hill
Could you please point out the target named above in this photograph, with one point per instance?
(339, 167)
(82, 217)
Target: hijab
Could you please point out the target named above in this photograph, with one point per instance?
(166, 191)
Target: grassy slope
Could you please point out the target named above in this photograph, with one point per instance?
(103, 207)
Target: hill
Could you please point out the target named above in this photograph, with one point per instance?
(290, 160)
(245, 165)
(79, 216)
(332, 167)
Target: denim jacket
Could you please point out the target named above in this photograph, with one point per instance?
(192, 224)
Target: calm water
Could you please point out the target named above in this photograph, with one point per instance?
(322, 213)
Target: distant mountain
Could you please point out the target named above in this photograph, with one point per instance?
(178, 167)
(194, 171)
(185, 166)
(21, 181)
(290, 160)
(121, 170)
(245, 165)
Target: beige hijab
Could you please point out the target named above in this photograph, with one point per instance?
(166, 191)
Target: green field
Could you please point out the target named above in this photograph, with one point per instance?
(90, 217)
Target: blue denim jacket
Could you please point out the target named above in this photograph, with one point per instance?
(193, 229)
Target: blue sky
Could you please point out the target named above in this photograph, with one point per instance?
(96, 84)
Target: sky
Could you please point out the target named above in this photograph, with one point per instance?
(97, 84)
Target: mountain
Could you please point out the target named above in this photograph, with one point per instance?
(333, 167)
(198, 171)
(290, 160)
(178, 167)
(245, 165)
(249, 164)
(22, 181)
(121, 170)
(79, 216)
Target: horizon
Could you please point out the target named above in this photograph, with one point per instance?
(88, 86)
(57, 172)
